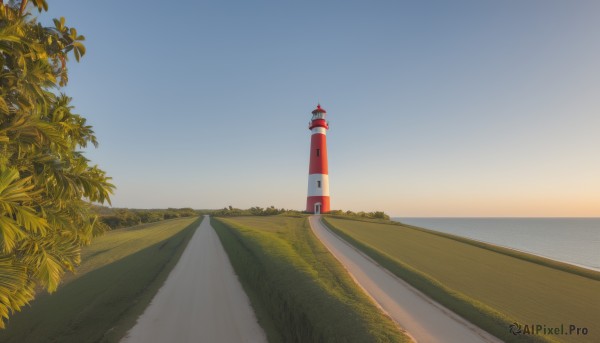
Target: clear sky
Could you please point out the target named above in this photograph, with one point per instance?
(436, 108)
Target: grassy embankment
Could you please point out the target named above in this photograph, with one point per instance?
(119, 275)
(299, 291)
(490, 286)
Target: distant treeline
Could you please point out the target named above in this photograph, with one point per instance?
(369, 215)
(271, 211)
(118, 218)
(252, 211)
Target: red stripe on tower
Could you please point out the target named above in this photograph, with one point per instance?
(317, 200)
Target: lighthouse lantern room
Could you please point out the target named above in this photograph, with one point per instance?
(318, 175)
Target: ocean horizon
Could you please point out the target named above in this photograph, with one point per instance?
(573, 240)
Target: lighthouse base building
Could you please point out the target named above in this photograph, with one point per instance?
(317, 200)
(317, 205)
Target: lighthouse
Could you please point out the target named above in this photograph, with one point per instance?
(317, 200)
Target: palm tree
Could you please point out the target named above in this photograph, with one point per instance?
(46, 185)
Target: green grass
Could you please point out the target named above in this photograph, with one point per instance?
(119, 275)
(588, 273)
(490, 286)
(299, 291)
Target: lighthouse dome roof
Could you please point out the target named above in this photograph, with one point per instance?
(319, 110)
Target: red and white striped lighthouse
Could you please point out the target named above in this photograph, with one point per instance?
(318, 175)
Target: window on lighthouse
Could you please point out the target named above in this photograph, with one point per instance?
(318, 184)
(318, 152)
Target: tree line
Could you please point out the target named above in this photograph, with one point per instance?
(117, 218)
(230, 211)
(368, 215)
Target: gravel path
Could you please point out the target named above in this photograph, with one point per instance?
(423, 319)
(201, 300)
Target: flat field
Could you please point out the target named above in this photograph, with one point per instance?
(299, 291)
(489, 288)
(119, 275)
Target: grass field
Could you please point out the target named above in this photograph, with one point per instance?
(119, 275)
(299, 291)
(487, 287)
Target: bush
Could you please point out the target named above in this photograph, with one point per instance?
(368, 215)
(124, 217)
(252, 211)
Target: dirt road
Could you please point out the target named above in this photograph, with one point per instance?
(201, 300)
(425, 320)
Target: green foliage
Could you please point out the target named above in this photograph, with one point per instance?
(299, 291)
(117, 218)
(231, 211)
(45, 183)
(253, 211)
(368, 215)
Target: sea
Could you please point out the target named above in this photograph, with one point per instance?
(571, 240)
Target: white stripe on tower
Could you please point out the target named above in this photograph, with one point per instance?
(318, 185)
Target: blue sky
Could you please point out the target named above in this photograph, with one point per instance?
(437, 108)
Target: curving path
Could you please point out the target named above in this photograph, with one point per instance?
(423, 319)
(201, 300)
